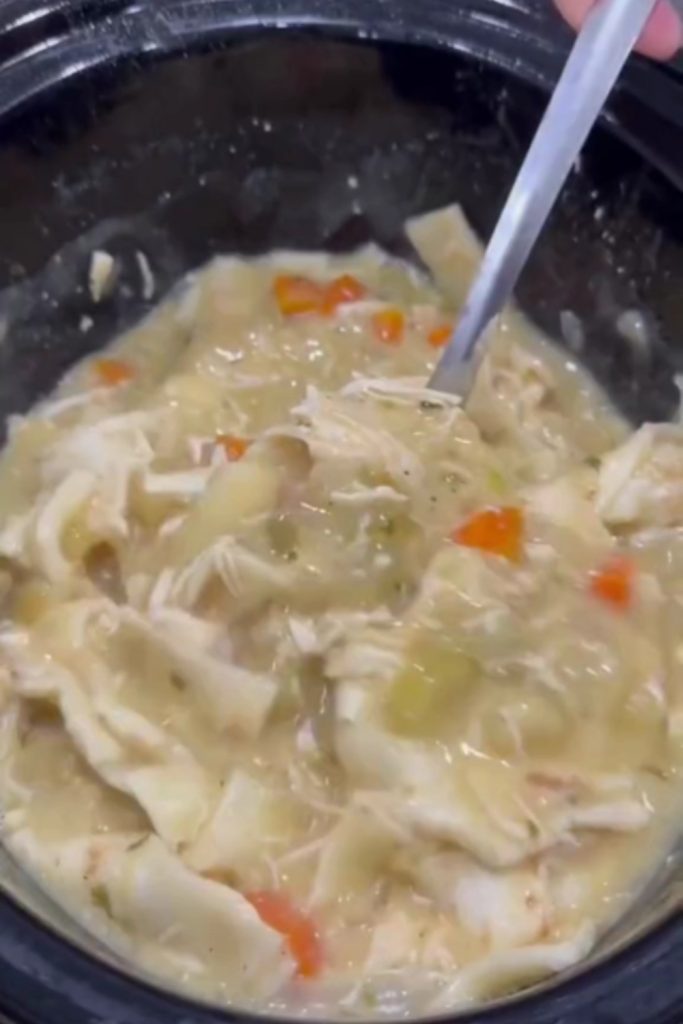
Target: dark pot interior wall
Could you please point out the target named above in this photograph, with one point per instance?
(248, 142)
(252, 147)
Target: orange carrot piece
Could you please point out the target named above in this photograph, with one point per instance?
(343, 289)
(277, 911)
(440, 336)
(389, 326)
(297, 295)
(234, 447)
(113, 372)
(614, 583)
(498, 531)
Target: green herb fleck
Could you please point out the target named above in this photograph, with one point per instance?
(497, 482)
(100, 898)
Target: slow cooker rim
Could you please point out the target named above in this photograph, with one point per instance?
(46, 952)
(16, 924)
(168, 27)
(487, 30)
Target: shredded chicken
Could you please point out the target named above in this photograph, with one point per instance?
(322, 692)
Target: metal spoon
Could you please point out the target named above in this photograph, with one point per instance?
(599, 54)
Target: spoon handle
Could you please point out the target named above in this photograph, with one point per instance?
(599, 54)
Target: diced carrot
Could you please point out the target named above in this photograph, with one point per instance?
(113, 372)
(498, 531)
(389, 326)
(277, 911)
(343, 289)
(234, 447)
(440, 336)
(296, 295)
(614, 583)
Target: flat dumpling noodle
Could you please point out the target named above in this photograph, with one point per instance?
(321, 692)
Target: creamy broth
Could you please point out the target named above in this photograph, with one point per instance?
(322, 693)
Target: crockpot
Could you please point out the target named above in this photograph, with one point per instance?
(182, 128)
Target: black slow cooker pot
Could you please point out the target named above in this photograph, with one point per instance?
(182, 128)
